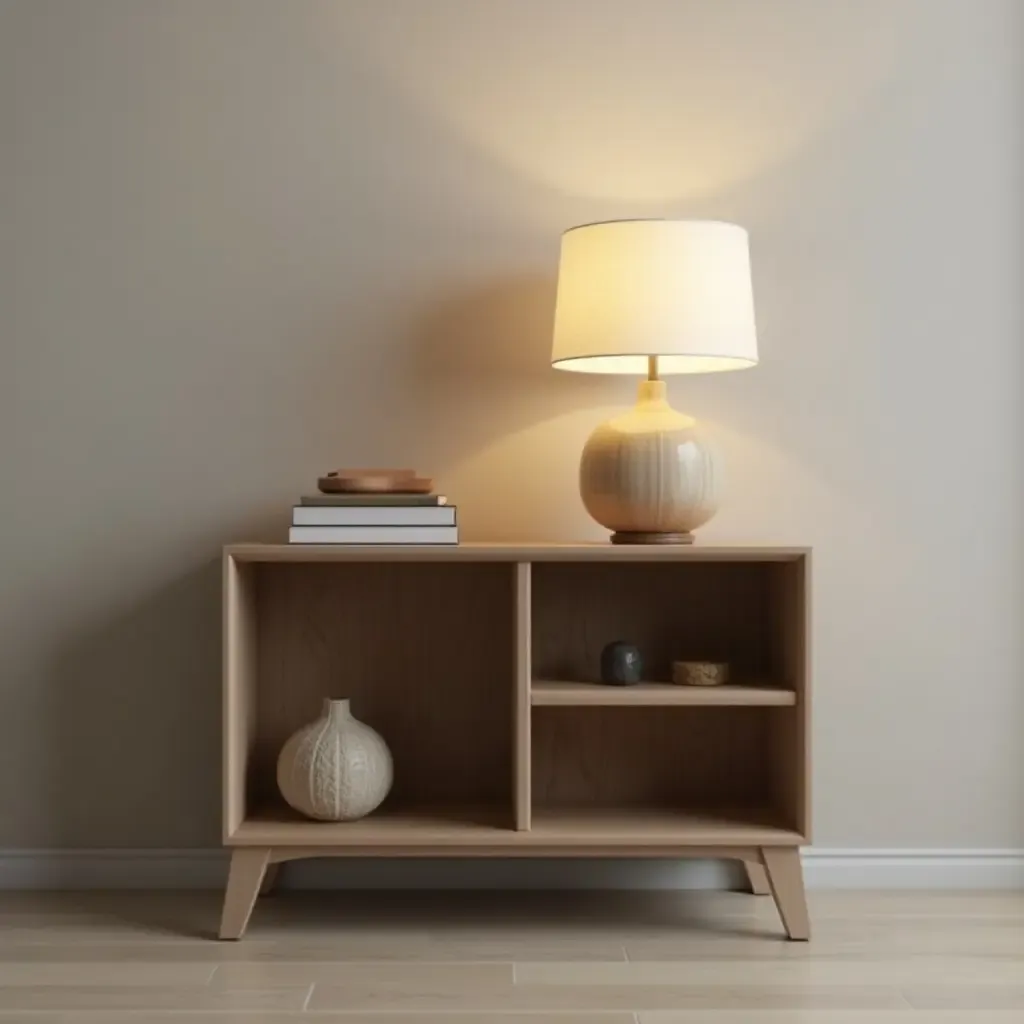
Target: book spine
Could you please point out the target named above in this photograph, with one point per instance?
(382, 535)
(373, 515)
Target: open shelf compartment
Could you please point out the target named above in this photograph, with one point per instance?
(687, 761)
(684, 772)
(424, 650)
(670, 611)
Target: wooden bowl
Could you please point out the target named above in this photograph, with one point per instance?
(374, 481)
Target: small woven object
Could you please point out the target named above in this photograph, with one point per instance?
(700, 673)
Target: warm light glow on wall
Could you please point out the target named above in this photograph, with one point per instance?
(634, 102)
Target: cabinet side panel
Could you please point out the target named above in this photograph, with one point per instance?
(791, 755)
(239, 687)
(803, 657)
(521, 710)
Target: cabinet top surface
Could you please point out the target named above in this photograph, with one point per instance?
(478, 552)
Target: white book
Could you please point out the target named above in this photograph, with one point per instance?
(373, 535)
(373, 515)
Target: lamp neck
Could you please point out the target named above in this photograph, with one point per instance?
(652, 394)
(652, 367)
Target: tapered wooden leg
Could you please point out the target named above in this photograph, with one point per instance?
(757, 877)
(269, 879)
(248, 866)
(786, 879)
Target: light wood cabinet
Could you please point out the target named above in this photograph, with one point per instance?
(478, 665)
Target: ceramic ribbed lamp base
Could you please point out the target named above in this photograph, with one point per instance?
(648, 475)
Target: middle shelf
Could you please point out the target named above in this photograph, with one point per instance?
(549, 693)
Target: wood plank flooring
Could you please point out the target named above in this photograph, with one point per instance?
(513, 958)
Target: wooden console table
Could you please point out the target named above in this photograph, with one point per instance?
(477, 663)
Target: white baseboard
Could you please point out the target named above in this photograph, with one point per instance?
(206, 869)
(914, 869)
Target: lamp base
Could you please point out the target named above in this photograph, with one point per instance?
(650, 537)
(648, 476)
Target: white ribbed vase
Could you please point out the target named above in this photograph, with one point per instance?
(335, 769)
(648, 475)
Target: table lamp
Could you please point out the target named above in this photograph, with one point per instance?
(652, 297)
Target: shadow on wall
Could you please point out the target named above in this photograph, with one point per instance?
(133, 714)
(501, 331)
(482, 360)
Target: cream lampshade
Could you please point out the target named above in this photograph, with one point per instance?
(650, 297)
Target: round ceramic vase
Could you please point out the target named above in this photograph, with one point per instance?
(335, 769)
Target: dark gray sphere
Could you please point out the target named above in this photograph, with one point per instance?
(621, 664)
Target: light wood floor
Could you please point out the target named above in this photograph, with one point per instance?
(537, 958)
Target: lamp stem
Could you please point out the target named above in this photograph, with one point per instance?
(652, 367)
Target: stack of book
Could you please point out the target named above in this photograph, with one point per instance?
(374, 519)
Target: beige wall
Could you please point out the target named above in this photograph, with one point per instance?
(245, 240)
